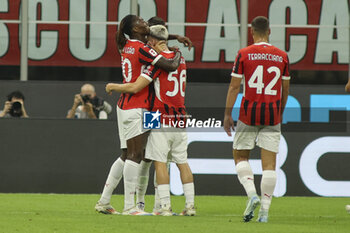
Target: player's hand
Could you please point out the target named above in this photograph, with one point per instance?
(109, 88)
(174, 49)
(7, 107)
(186, 41)
(228, 125)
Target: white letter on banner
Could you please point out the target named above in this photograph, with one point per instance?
(147, 9)
(298, 16)
(4, 32)
(48, 40)
(177, 14)
(221, 11)
(333, 13)
(226, 166)
(82, 46)
(308, 166)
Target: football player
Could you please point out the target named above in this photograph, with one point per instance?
(172, 139)
(135, 55)
(265, 72)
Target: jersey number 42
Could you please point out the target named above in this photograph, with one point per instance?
(256, 80)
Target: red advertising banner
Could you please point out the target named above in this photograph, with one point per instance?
(315, 33)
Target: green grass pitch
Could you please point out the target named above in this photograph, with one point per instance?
(48, 213)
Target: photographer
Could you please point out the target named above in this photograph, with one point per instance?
(14, 106)
(87, 105)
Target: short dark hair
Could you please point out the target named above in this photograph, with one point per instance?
(155, 20)
(261, 25)
(15, 94)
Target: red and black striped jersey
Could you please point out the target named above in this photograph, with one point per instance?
(262, 67)
(136, 55)
(169, 90)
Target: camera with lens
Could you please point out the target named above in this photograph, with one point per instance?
(86, 98)
(16, 109)
(97, 103)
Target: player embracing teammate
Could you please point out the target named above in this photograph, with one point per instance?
(166, 143)
(264, 70)
(169, 143)
(136, 55)
(139, 62)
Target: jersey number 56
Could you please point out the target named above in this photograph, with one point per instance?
(177, 85)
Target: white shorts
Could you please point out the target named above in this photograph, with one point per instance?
(265, 136)
(129, 124)
(167, 145)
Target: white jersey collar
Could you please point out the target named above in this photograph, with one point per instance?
(167, 51)
(134, 40)
(262, 43)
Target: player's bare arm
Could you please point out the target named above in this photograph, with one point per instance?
(131, 88)
(285, 93)
(182, 39)
(232, 93)
(169, 65)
